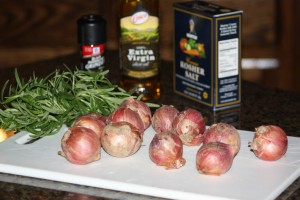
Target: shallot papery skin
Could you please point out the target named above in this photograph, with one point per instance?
(225, 133)
(163, 117)
(214, 158)
(190, 126)
(141, 108)
(80, 145)
(127, 115)
(92, 121)
(270, 142)
(97, 116)
(166, 149)
(121, 139)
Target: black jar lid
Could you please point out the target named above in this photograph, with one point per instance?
(91, 29)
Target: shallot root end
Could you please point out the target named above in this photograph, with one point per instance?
(61, 153)
(177, 164)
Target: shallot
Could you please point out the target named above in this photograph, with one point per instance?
(224, 133)
(214, 158)
(141, 108)
(121, 139)
(270, 142)
(166, 149)
(93, 121)
(127, 115)
(80, 145)
(190, 126)
(163, 117)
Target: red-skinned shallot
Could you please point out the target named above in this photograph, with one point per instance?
(270, 143)
(121, 139)
(190, 126)
(214, 158)
(127, 115)
(92, 121)
(141, 108)
(166, 149)
(163, 117)
(80, 145)
(224, 133)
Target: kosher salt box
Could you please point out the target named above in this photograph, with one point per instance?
(207, 53)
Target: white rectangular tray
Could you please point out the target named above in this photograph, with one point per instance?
(248, 178)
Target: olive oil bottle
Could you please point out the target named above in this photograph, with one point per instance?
(139, 51)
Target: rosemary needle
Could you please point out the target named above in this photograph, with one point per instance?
(42, 105)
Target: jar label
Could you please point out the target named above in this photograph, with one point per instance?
(92, 50)
(92, 57)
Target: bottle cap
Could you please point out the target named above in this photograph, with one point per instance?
(91, 30)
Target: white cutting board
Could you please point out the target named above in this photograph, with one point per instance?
(248, 178)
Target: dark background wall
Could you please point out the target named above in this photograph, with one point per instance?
(32, 30)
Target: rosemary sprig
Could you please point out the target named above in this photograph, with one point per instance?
(42, 105)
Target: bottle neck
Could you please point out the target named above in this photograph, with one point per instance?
(129, 7)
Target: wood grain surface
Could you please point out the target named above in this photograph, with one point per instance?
(32, 30)
(39, 29)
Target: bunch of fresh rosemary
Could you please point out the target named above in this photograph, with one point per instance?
(42, 105)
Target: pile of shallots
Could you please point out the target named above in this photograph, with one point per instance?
(220, 143)
(173, 130)
(121, 135)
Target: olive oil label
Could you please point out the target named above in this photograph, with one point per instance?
(139, 44)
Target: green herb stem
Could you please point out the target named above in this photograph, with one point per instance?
(42, 105)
